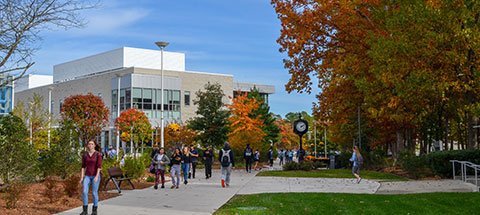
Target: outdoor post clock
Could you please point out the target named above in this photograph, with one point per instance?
(300, 127)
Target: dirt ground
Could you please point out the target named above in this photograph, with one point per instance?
(33, 200)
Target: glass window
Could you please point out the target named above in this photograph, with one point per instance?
(147, 99)
(53, 105)
(186, 98)
(100, 95)
(122, 99)
(61, 105)
(137, 98)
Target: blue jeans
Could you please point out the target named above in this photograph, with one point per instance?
(86, 184)
(175, 173)
(185, 170)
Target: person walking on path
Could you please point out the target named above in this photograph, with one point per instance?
(290, 155)
(194, 154)
(301, 155)
(256, 158)
(208, 160)
(227, 163)
(91, 167)
(247, 155)
(155, 151)
(270, 156)
(161, 161)
(281, 155)
(175, 171)
(357, 160)
(186, 163)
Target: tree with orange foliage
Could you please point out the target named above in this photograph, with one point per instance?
(87, 113)
(245, 127)
(288, 139)
(136, 124)
(174, 139)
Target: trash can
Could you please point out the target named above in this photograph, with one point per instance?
(332, 162)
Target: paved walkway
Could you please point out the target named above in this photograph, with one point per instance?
(203, 196)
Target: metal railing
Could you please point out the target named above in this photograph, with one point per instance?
(464, 165)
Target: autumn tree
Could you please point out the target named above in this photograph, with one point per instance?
(246, 127)
(269, 127)
(288, 139)
(211, 122)
(22, 23)
(174, 139)
(134, 126)
(36, 117)
(87, 113)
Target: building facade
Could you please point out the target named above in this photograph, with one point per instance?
(138, 75)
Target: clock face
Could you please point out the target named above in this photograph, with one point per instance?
(301, 127)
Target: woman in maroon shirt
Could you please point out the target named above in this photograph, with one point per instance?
(91, 166)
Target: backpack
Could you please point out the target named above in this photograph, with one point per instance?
(359, 160)
(225, 161)
(248, 152)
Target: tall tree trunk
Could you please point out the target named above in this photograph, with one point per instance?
(446, 134)
(400, 145)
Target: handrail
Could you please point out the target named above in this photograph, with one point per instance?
(463, 168)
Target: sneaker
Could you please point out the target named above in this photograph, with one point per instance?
(177, 187)
(173, 186)
(185, 182)
(155, 187)
(223, 183)
(163, 186)
(358, 181)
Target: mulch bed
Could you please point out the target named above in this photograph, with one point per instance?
(427, 175)
(33, 200)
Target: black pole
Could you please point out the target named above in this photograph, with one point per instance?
(359, 130)
(300, 141)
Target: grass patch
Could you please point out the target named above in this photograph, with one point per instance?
(332, 203)
(334, 173)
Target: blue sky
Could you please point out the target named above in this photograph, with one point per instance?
(218, 36)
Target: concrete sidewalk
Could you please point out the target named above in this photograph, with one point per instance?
(200, 196)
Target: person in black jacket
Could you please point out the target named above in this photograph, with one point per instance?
(227, 163)
(176, 160)
(208, 160)
(155, 151)
(247, 155)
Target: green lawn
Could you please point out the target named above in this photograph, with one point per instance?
(334, 173)
(329, 203)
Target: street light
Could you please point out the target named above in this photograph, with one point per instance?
(315, 136)
(162, 45)
(49, 113)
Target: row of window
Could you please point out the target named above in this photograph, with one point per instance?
(149, 101)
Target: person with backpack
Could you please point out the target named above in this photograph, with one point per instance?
(281, 155)
(256, 158)
(208, 160)
(247, 155)
(91, 167)
(186, 163)
(194, 157)
(175, 171)
(270, 156)
(155, 151)
(357, 160)
(160, 161)
(227, 163)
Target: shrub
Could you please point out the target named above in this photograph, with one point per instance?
(291, 166)
(50, 192)
(439, 162)
(60, 160)
(18, 158)
(13, 193)
(415, 165)
(306, 166)
(150, 179)
(135, 168)
(345, 159)
(70, 185)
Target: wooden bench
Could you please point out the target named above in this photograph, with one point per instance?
(116, 174)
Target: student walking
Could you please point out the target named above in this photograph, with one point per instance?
(208, 160)
(247, 155)
(357, 160)
(155, 151)
(175, 171)
(256, 158)
(194, 157)
(281, 155)
(270, 156)
(91, 167)
(186, 163)
(227, 163)
(290, 155)
(161, 161)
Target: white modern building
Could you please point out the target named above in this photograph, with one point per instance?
(137, 73)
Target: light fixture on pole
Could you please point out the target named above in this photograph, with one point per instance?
(315, 136)
(162, 45)
(49, 113)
